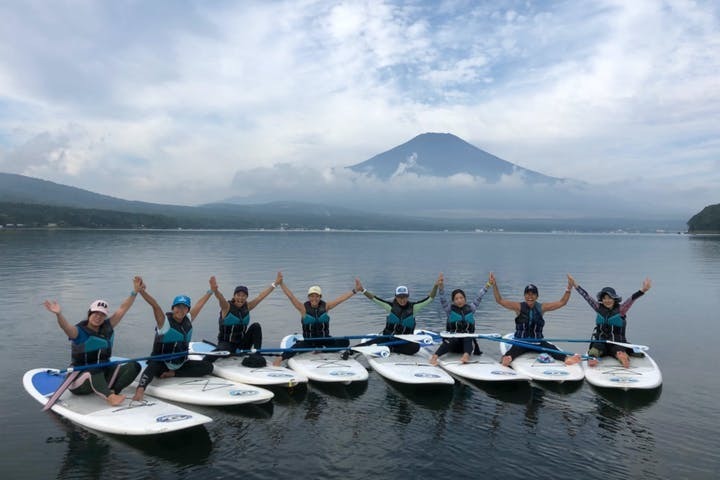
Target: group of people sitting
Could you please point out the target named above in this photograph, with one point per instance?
(92, 338)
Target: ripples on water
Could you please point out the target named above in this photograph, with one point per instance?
(375, 429)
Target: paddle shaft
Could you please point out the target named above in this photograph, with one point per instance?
(166, 356)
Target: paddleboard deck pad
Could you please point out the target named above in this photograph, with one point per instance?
(531, 365)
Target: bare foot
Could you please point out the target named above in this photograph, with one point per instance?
(573, 360)
(465, 358)
(593, 362)
(506, 360)
(139, 394)
(168, 374)
(277, 362)
(114, 399)
(623, 358)
(434, 360)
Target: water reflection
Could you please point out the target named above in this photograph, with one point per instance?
(630, 400)
(339, 390)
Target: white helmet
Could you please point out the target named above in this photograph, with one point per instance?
(99, 306)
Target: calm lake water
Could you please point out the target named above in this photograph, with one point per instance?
(377, 429)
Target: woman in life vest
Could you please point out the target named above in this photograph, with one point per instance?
(529, 321)
(401, 315)
(92, 341)
(234, 328)
(460, 319)
(610, 322)
(173, 332)
(314, 319)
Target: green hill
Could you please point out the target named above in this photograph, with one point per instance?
(707, 221)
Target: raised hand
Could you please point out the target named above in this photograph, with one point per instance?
(213, 284)
(647, 283)
(53, 307)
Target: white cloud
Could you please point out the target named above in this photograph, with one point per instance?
(167, 102)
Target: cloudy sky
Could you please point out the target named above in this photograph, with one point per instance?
(192, 101)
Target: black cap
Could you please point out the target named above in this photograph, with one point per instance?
(530, 288)
(241, 288)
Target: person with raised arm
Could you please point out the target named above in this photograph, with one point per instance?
(529, 320)
(401, 315)
(173, 332)
(92, 342)
(234, 328)
(460, 319)
(314, 319)
(610, 322)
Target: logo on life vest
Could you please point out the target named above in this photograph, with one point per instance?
(174, 417)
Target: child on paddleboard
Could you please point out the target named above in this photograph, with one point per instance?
(610, 321)
(460, 319)
(173, 332)
(314, 319)
(529, 321)
(401, 313)
(92, 342)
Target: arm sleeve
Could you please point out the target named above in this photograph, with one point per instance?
(591, 301)
(383, 303)
(444, 302)
(625, 306)
(476, 303)
(421, 304)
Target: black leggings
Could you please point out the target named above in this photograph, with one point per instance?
(252, 338)
(517, 350)
(107, 380)
(191, 368)
(458, 345)
(407, 348)
(310, 343)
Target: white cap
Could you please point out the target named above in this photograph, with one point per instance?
(100, 306)
(402, 290)
(315, 289)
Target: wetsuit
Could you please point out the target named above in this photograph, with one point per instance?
(316, 324)
(400, 320)
(610, 324)
(174, 337)
(529, 324)
(236, 331)
(460, 320)
(96, 347)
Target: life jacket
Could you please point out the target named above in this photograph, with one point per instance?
(234, 325)
(530, 322)
(90, 346)
(400, 320)
(176, 339)
(316, 321)
(609, 324)
(461, 319)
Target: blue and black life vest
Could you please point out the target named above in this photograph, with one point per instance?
(530, 322)
(316, 321)
(609, 324)
(461, 319)
(234, 325)
(400, 320)
(90, 346)
(176, 339)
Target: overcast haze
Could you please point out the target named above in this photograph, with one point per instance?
(191, 102)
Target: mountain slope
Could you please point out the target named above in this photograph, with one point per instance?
(444, 155)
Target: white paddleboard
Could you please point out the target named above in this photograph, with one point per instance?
(409, 369)
(326, 367)
(479, 367)
(149, 417)
(643, 373)
(208, 390)
(232, 368)
(555, 371)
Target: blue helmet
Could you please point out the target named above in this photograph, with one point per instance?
(182, 300)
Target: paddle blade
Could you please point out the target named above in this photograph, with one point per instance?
(421, 339)
(373, 350)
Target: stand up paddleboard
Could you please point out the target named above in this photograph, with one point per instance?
(232, 368)
(479, 367)
(408, 369)
(208, 390)
(323, 366)
(643, 373)
(149, 417)
(529, 364)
